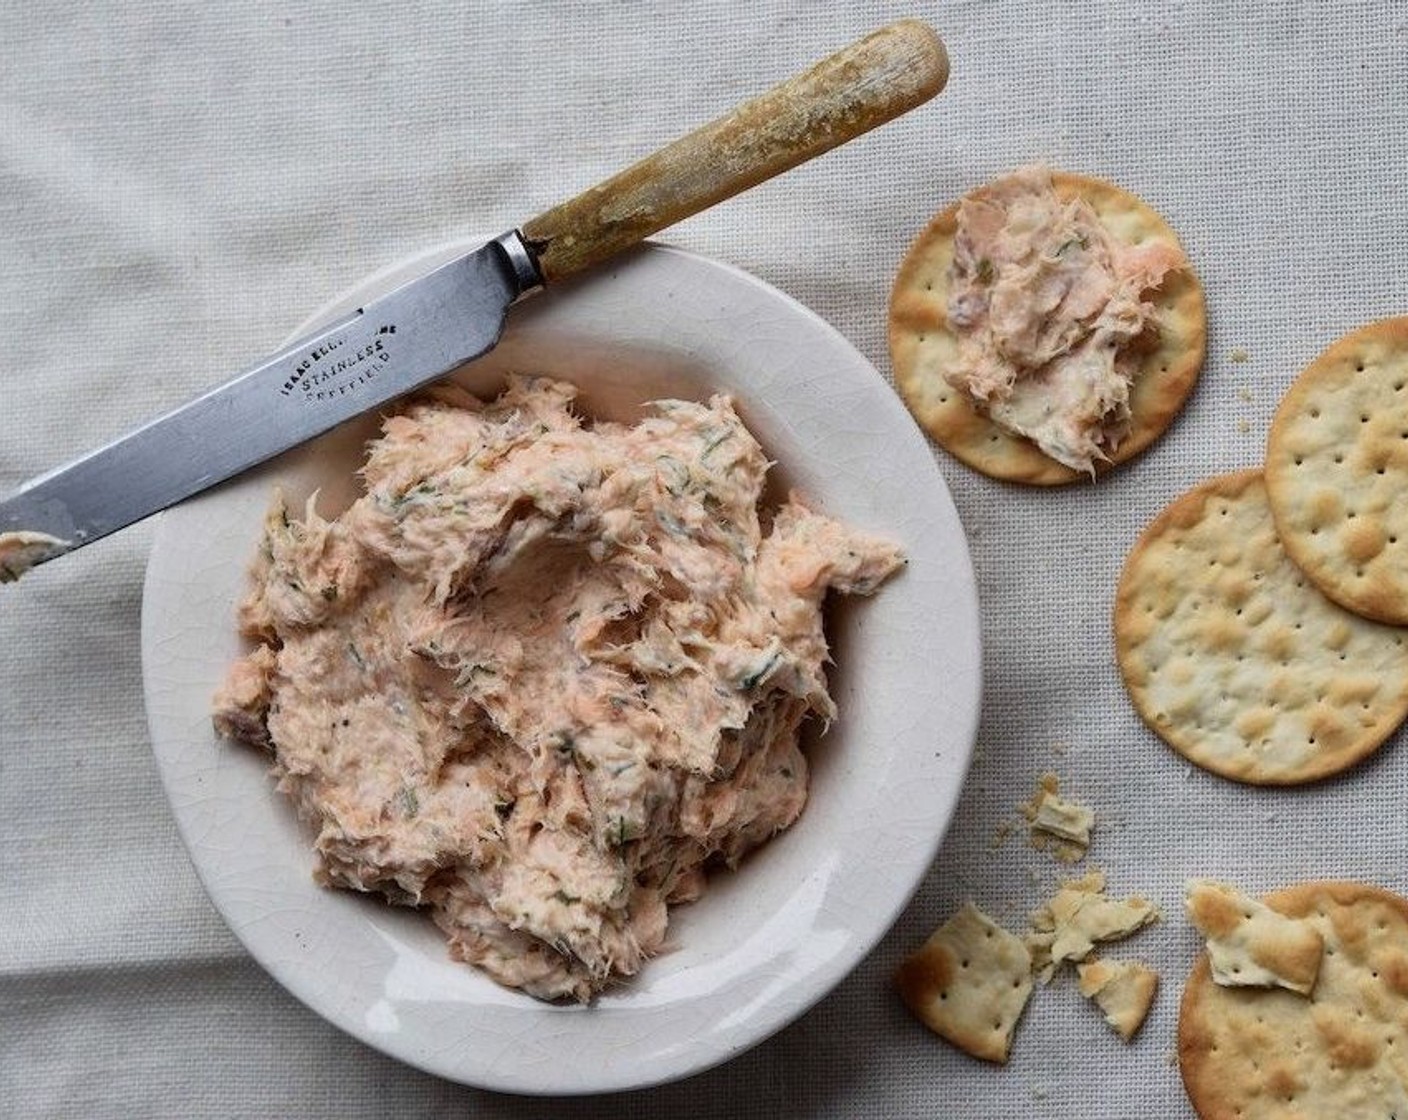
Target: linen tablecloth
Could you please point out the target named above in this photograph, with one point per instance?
(181, 183)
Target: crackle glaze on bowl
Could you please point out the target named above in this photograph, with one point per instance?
(764, 943)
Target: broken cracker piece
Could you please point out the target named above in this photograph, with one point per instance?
(969, 983)
(1058, 825)
(1079, 915)
(1251, 945)
(1265, 1054)
(1067, 820)
(1123, 990)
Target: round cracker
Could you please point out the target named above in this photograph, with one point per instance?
(1337, 467)
(1234, 658)
(1263, 1053)
(922, 347)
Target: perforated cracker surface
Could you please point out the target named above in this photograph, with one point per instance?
(1337, 470)
(1342, 1053)
(1234, 658)
(969, 983)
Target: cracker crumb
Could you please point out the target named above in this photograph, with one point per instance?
(1057, 825)
(1078, 916)
(1243, 426)
(1122, 990)
(1244, 395)
(1239, 354)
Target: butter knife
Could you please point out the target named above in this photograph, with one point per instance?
(438, 322)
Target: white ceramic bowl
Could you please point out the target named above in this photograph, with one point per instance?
(765, 942)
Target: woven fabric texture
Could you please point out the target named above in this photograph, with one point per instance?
(181, 184)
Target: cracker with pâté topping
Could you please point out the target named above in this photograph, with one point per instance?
(1053, 347)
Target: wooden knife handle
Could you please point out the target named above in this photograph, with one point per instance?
(856, 89)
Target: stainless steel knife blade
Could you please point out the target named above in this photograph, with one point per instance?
(432, 325)
(396, 344)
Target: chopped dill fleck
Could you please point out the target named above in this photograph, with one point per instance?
(715, 442)
(673, 474)
(671, 524)
(621, 830)
(753, 677)
(467, 674)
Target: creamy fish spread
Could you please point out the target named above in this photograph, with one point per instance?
(544, 675)
(21, 551)
(1048, 307)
